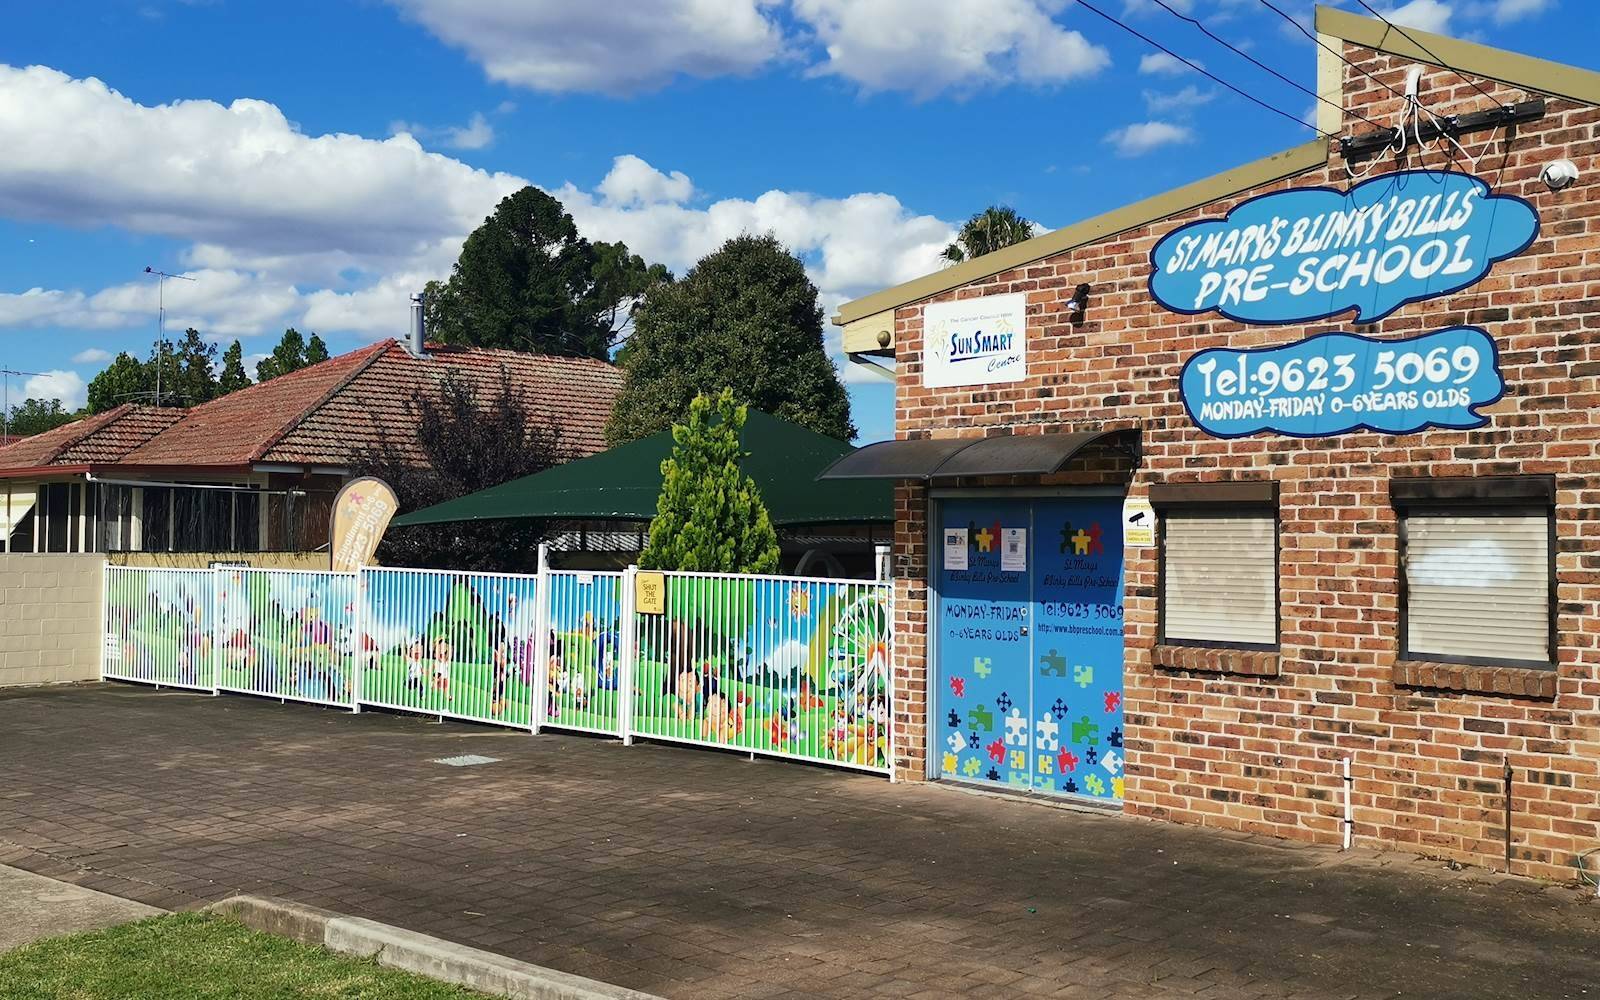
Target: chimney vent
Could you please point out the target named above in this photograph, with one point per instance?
(416, 341)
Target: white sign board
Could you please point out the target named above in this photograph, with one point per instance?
(975, 341)
(1014, 550)
(955, 548)
(1138, 523)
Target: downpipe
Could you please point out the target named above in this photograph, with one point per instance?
(1349, 817)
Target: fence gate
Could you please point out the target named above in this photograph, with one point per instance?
(158, 626)
(288, 634)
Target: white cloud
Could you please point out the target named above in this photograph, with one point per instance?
(1423, 15)
(1179, 102)
(632, 181)
(928, 46)
(477, 133)
(240, 176)
(67, 386)
(92, 356)
(1162, 64)
(1141, 138)
(1139, 7)
(611, 48)
(1507, 11)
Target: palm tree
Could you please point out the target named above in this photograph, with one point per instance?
(994, 228)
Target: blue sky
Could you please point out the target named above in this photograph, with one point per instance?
(312, 162)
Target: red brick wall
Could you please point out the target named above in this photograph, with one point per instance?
(1255, 743)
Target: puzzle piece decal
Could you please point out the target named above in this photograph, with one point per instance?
(971, 767)
(981, 666)
(1069, 786)
(956, 742)
(1059, 709)
(1085, 731)
(958, 686)
(1053, 665)
(1094, 784)
(1113, 701)
(1047, 733)
(1016, 728)
(1092, 755)
(1083, 674)
(974, 742)
(1003, 703)
(1019, 760)
(1046, 764)
(981, 718)
(1111, 762)
(992, 774)
(949, 763)
(1066, 537)
(1066, 761)
(1018, 779)
(1118, 785)
(954, 719)
(1115, 739)
(1080, 543)
(1096, 547)
(997, 751)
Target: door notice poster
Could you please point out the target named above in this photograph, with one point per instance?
(955, 548)
(1014, 550)
(1138, 523)
(975, 341)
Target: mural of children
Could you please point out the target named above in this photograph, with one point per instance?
(441, 667)
(501, 661)
(554, 677)
(724, 719)
(414, 665)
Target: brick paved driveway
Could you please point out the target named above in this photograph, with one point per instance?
(697, 874)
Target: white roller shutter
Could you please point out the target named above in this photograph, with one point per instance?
(1478, 585)
(1220, 579)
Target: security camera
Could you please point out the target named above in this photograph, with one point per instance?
(1559, 174)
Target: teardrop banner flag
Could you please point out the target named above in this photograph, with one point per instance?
(1309, 253)
(361, 514)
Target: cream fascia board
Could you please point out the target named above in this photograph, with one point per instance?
(857, 314)
(1542, 75)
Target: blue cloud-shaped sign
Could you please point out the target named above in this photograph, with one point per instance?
(1306, 254)
(1338, 382)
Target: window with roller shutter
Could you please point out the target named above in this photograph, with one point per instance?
(1477, 570)
(1219, 564)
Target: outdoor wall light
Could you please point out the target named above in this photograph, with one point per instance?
(1078, 303)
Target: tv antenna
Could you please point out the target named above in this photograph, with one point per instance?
(161, 320)
(5, 399)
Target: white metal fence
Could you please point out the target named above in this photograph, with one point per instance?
(789, 667)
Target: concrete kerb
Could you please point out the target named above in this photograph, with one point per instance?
(398, 948)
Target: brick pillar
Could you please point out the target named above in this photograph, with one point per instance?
(910, 633)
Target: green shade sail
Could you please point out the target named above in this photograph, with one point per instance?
(623, 483)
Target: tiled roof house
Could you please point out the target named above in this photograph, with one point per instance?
(256, 469)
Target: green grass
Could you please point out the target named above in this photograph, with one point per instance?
(191, 956)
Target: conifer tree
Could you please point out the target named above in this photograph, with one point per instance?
(710, 516)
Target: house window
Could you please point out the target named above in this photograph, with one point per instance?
(1219, 564)
(1477, 569)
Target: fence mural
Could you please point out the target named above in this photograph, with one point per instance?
(788, 667)
(287, 633)
(782, 666)
(583, 681)
(158, 626)
(463, 645)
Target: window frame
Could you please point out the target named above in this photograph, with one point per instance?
(1229, 499)
(1446, 495)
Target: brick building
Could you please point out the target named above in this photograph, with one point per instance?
(1380, 547)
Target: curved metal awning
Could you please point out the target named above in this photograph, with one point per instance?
(949, 458)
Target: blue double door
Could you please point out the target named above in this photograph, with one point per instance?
(1029, 644)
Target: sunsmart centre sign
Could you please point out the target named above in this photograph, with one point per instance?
(975, 341)
(1310, 253)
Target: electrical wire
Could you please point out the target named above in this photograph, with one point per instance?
(1261, 65)
(1430, 53)
(1328, 49)
(1203, 71)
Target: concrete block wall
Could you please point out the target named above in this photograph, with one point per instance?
(49, 618)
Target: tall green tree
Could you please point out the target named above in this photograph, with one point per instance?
(288, 356)
(471, 437)
(35, 416)
(994, 228)
(316, 351)
(195, 370)
(125, 380)
(233, 377)
(710, 516)
(527, 280)
(745, 317)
